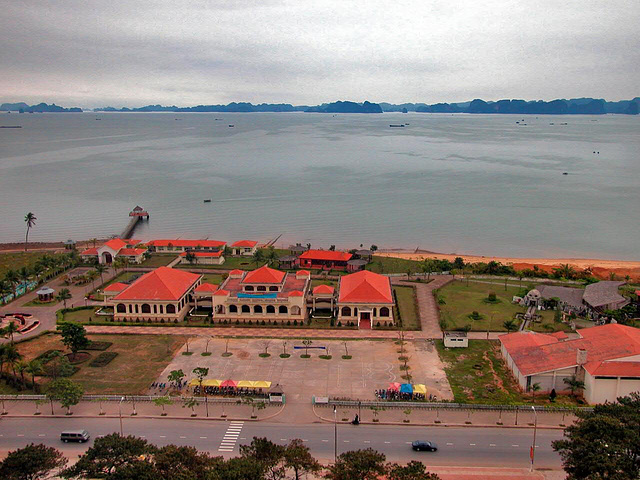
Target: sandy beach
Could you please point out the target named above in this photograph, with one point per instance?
(600, 268)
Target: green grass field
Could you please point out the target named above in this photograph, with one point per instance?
(408, 308)
(122, 277)
(159, 260)
(214, 278)
(16, 260)
(393, 265)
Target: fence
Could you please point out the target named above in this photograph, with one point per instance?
(129, 398)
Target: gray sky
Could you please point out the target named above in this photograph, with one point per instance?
(132, 53)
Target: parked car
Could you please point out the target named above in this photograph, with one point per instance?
(421, 445)
(75, 436)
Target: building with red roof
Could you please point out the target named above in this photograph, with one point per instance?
(244, 247)
(606, 358)
(324, 260)
(365, 298)
(116, 247)
(183, 245)
(203, 258)
(163, 294)
(262, 294)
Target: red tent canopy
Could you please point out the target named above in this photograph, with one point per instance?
(395, 386)
(228, 383)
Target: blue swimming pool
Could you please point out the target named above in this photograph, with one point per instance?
(258, 295)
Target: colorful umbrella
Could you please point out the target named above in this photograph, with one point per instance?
(245, 383)
(211, 383)
(261, 384)
(394, 387)
(194, 382)
(419, 388)
(228, 383)
(406, 388)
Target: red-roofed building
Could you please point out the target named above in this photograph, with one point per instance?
(244, 247)
(262, 294)
(204, 258)
(323, 297)
(162, 294)
(116, 247)
(324, 260)
(182, 245)
(606, 358)
(365, 298)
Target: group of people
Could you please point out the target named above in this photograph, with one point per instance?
(230, 391)
(385, 394)
(162, 385)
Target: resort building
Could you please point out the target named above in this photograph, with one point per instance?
(324, 260)
(202, 258)
(606, 358)
(114, 248)
(365, 298)
(263, 294)
(244, 247)
(163, 294)
(182, 245)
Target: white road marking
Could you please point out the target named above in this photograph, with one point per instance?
(325, 440)
(228, 442)
(367, 441)
(283, 439)
(163, 436)
(449, 444)
(182, 436)
(472, 444)
(387, 442)
(21, 434)
(346, 441)
(41, 435)
(515, 445)
(203, 437)
(492, 444)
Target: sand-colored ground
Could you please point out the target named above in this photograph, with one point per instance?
(600, 268)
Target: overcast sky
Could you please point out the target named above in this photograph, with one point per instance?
(132, 53)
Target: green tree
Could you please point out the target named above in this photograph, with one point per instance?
(458, 263)
(30, 220)
(201, 373)
(183, 463)
(413, 470)
(258, 256)
(12, 277)
(33, 462)
(24, 274)
(358, 465)
(307, 343)
(603, 443)
(564, 271)
(63, 295)
(74, 337)
(427, 267)
(270, 455)
(6, 289)
(573, 384)
(11, 357)
(66, 392)
(192, 403)
(100, 270)
(298, 458)
(238, 468)
(190, 257)
(110, 457)
(57, 365)
(176, 376)
(534, 388)
(10, 330)
(510, 325)
(162, 402)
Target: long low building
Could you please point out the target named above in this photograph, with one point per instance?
(182, 245)
(606, 358)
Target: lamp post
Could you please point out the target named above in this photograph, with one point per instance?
(535, 429)
(335, 434)
(120, 414)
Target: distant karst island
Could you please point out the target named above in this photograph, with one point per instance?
(575, 106)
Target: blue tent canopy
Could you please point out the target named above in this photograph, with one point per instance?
(406, 388)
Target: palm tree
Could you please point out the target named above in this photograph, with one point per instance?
(574, 384)
(190, 257)
(63, 295)
(427, 267)
(510, 325)
(24, 274)
(10, 330)
(100, 269)
(534, 388)
(118, 263)
(30, 218)
(21, 367)
(14, 279)
(12, 357)
(3, 358)
(91, 277)
(258, 256)
(271, 255)
(37, 270)
(6, 289)
(565, 270)
(34, 368)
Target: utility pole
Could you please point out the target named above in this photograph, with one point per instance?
(535, 428)
(335, 435)
(120, 415)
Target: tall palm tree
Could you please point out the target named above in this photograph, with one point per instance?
(30, 218)
(21, 367)
(100, 269)
(258, 256)
(12, 357)
(10, 330)
(91, 276)
(24, 274)
(14, 279)
(63, 295)
(34, 368)
(3, 357)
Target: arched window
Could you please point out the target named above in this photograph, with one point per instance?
(246, 309)
(130, 308)
(273, 289)
(346, 311)
(283, 309)
(384, 312)
(155, 309)
(171, 308)
(146, 308)
(261, 288)
(233, 309)
(271, 309)
(161, 308)
(257, 309)
(374, 312)
(248, 288)
(295, 310)
(121, 308)
(355, 311)
(136, 307)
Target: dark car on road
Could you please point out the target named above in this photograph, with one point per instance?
(421, 445)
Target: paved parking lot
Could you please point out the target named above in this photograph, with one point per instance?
(374, 365)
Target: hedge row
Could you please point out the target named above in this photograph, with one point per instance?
(103, 359)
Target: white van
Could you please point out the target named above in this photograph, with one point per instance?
(75, 436)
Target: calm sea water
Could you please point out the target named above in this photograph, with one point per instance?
(450, 183)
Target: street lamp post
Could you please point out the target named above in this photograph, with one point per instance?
(120, 415)
(535, 429)
(335, 434)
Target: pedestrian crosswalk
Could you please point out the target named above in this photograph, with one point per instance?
(231, 437)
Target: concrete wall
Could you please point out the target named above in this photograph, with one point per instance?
(600, 390)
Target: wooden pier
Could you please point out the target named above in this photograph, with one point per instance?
(136, 215)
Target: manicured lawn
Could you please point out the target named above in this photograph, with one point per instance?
(461, 300)
(230, 263)
(123, 277)
(316, 282)
(478, 374)
(214, 278)
(159, 260)
(408, 308)
(16, 260)
(393, 265)
(140, 360)
(548, 325)
(82, 316)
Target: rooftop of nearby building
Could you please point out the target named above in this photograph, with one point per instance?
(365, 287)
(206, 288)
(539, 352)
(132, 252)
(603, 293)
(116, 287)
(90, 251)
(328, 255)
(263, 275)
(244, 244)
(291, 285)
(324, 290)
(203, 254)
(163, 283)
(118, 243)
(185, 243)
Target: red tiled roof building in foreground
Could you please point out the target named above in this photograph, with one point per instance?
(324, 260)
(365, 298)
(163, 294)
(606, 358)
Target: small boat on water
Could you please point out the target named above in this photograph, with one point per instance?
(10, 126)
(231, 126)
(208, 200)
(397, 125)
(565, 173)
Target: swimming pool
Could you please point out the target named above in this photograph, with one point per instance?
(257, 295)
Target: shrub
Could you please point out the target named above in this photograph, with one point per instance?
(96, 345)
(175, 320)
(339, 323)
(263, 322)
(237, 321)
(492, 297)
(288, 322)
(162, 320)
(103, 359)
(332, 322)
(377, 323)
(250, 322)
(295, 322)
(475, 315)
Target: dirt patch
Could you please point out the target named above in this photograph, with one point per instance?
(243, 355)
(496, 378)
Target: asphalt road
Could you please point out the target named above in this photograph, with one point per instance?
(457, 446)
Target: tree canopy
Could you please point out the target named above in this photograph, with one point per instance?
(33, 462)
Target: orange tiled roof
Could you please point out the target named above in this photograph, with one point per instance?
(221, 293)
(539, 352)
(244, 243)
(90, 251)
(132, 252)
(329, 255)
(303, 273)
(236, 272)
(264, 274)
(365, 287)
(116, 287)
(327, 289)
(115, 244)
(613, 369)
(206, 288)
(204, 254)
(163, 283)
(187, 243)
(296, 293)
